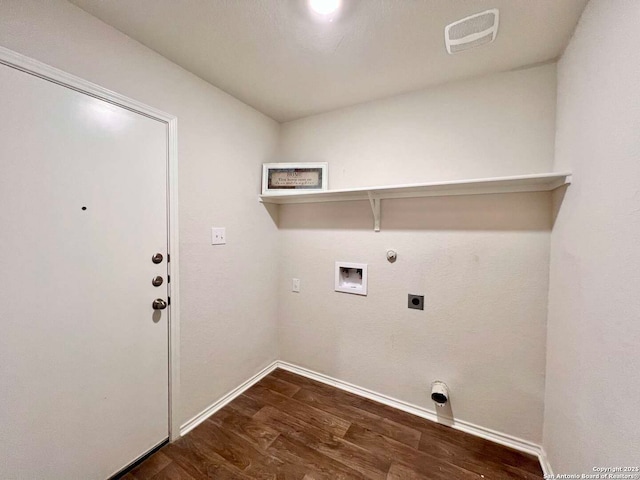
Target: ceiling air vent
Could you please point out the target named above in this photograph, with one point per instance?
(471, 31)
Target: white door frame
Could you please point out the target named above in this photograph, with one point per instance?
(51, 74)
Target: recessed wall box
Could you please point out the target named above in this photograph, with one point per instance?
(351, 278)
(416, 302)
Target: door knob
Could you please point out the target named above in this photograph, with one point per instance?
(157, 258)
(159, 304)
(157, 281)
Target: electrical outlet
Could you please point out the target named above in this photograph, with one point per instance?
(218, 236)
(295, 285)
(416, 302)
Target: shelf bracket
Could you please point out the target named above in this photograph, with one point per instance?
(375, 208)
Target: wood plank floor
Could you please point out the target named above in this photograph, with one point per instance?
(291, 428)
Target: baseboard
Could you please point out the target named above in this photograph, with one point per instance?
(544, 463)
(486, 433)
(217, 405)
(467, 427)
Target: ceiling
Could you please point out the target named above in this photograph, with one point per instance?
(275, 56)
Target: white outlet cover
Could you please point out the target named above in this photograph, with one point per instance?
(218, 236)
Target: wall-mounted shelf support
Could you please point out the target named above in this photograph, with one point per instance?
(538, 182)
(375, 208)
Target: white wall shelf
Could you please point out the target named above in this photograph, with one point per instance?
(540, 182)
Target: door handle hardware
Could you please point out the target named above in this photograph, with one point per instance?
(157, 258)
(157, 281)
(159, 304)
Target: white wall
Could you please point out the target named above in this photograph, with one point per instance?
(489, 126)
(481, 262)
(222, 143)
(593, 387)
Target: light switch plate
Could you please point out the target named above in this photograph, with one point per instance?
(218, 236)
(295, 285)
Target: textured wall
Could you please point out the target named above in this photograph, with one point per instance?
(489, 126)
(225, 338)
(591, 407)
(481, 262)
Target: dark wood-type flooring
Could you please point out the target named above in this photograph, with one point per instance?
(289, 427)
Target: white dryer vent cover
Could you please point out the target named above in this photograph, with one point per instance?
(472, 31)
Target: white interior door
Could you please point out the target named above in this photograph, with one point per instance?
(83, 355)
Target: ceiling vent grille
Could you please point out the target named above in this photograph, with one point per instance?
(472, 31)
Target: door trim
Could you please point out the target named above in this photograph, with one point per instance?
(34, 67)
